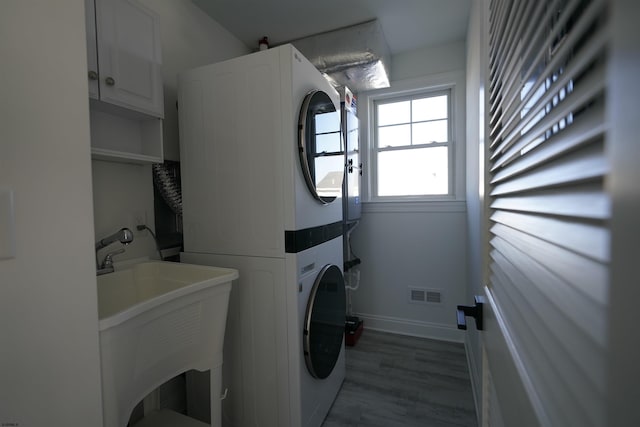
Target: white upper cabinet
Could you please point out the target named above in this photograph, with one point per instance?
(124, 55)
(125, 82)
(92, 51)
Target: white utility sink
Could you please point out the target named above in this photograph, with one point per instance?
(158, 320)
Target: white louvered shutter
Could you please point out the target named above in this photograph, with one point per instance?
(549, 238)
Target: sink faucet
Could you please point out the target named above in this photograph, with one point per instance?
(124, 236)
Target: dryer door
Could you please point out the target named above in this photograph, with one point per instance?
(320, 146)
(324, 322)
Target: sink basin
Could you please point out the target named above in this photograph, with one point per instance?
(127, 293)
(158, 320)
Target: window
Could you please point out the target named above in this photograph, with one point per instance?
(412, 136)
(412, 146)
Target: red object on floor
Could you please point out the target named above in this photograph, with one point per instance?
(351, 336)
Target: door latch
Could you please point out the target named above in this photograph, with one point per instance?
(474, 311)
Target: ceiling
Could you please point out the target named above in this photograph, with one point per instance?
(407, 24)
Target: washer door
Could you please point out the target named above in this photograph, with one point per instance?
(320, 146)
(324, 322)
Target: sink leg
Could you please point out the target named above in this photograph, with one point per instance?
(216, 402)
(203, 395)
(151, 402)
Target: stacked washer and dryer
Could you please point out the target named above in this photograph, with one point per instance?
(262, 164)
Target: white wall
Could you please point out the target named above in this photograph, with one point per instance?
(190, 38)
(419, 245)
(121, 193)
(428, 61)
(49, 357)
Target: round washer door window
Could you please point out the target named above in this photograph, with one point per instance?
(324, 322)
(320, 146)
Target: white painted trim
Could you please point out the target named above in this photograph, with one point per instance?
(517, 361)
(415, 85)
(623, 154)
(474, 374)
(455, 81)
(414, 328)
(440, 206)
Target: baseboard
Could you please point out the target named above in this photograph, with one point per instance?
(409, 327)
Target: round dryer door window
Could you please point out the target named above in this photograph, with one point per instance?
(324, 322)
(320, 146)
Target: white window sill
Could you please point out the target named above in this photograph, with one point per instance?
(415, 206)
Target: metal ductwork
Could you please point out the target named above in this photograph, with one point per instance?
(357, 57)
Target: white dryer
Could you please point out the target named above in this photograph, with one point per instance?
(262, 164)
(242, 181)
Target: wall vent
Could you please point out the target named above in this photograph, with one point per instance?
(422, 295)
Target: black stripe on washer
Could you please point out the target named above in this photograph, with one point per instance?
(299, 240)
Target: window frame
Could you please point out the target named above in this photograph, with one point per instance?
(451, 82)
(376, 149)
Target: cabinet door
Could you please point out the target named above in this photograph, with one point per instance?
(92, 51)
(129, 53)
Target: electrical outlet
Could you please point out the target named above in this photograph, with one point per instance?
(136, 218)
(7, 225)
(140, 218)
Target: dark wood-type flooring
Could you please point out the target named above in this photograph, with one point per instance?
(399, 381)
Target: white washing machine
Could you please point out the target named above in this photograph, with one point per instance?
(321, 318)
(284, 344)
(262, 164)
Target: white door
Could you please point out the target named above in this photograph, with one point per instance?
(550, 215)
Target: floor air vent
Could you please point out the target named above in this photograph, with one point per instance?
(422, 295)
